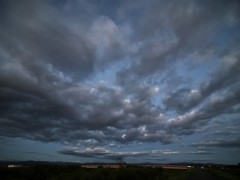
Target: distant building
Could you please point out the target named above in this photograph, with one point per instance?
(14, 165)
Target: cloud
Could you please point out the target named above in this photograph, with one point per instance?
(165, 38)
(219, 144)
(109, 39)
(100, 114)
(189, 122)
(103, 153)
(45, 35)
(182, 100)
(54, 58)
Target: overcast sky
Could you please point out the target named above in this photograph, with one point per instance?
(108, 80)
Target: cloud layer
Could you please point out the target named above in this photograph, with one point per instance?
(105, 154)
(83, 73)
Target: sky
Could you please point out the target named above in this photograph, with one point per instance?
(107, 81)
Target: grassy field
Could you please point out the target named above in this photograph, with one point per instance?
(228, 174)
(72, 172)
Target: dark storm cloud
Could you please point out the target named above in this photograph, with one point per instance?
(41, 52)
(36, 31)
(51, 53)
(96, 115)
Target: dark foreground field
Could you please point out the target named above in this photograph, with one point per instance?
(53, 172)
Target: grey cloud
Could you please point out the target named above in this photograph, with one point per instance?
(224, 81)
(219, 144)
(103, 153)
(189, 122)
(200, 152)
(182, 100)
(227, 76)
(47, 59)
(39, 32)
(79, 113)
(168, 32)
(110, 41)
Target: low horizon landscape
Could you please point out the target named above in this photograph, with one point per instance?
(127, 82)
(60, 170)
